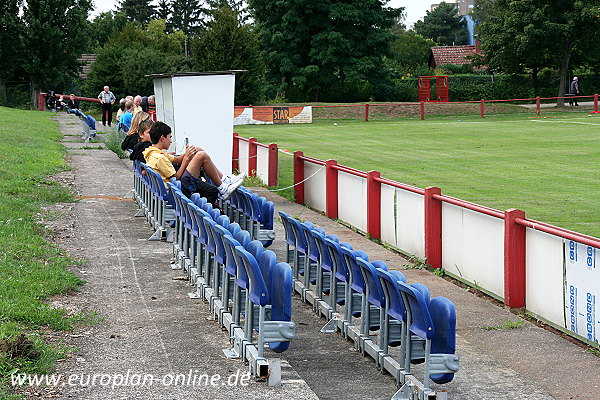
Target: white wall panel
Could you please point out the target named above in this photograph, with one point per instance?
(544, 276)
(473, 247)
(262, 164)
(352, 200)
(314, 188)
(243, 156)
(410, 222)
(388, 220)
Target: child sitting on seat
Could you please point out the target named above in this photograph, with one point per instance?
(192, 163)
(144, 140)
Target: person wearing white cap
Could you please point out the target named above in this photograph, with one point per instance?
(574, 91)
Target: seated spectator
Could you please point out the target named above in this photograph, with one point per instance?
(144, 140)
(126, 117)
(121, 109)
(71, 104)
(192, 163)
(133, 134)
(137, 101)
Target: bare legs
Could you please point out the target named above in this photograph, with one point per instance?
(202, 161)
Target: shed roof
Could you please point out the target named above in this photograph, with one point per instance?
(457, 55)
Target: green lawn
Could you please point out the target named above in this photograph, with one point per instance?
(31, 269)
(544, 166)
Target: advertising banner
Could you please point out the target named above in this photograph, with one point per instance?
(272, 115)
(582, 289)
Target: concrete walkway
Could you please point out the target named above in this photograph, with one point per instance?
(151, 326)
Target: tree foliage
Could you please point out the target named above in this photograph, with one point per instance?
(10, 49)
(443, 25)
(318, 47)
(133, 53)
(187, 15)
(410, 52)
(227, 44)
(103, 27)
(140, 11)
(50, 52)
(528, 35)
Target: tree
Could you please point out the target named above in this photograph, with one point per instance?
(50, 53)
(103, 27)
(164, 10)
(410, 52)
(314, 48)
(140, 11)
(443, 25)
(133, 53)
(532, 34)
(227, 44)
(187, 16)
(10, 44)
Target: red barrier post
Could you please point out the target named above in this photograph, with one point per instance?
(373, 205)
(433, 227)
(596, 102)
(422, 110)
(41, 101)
(514, 259)
(537, 105)
(252, 157)
(367, 112)
(235, 154)
(273, 176)
(482, 109)
(298, 177)
(331, 189)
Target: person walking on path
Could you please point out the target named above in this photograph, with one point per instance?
(107, 99)
(574, 91)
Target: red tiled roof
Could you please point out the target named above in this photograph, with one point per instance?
(458, 55)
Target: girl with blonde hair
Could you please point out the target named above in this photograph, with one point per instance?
(133, 136)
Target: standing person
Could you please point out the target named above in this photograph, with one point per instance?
(574, 91)
(107, 99)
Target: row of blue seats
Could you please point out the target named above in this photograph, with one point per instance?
(251, 212)
(362, 296)
(235, 274)
(229, 269)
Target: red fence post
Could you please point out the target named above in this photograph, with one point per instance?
(298, 177)
(422, 110)
(537, 105)
(373, 204)
(367, 112)
(273, 177)
(482, 109)
(514, 259)
(41, 102)
(596, 102)
(252, 157)
(235, 153)
(433, 227)
(331, 189)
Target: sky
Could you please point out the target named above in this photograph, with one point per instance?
(415, 9)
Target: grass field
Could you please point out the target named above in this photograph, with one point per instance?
(546, 166)
(31, 269)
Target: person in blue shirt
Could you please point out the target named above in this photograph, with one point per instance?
(127, 116)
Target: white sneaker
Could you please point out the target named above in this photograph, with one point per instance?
(227, 189)
(232, 178)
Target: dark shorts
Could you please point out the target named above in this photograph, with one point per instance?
(190, 185)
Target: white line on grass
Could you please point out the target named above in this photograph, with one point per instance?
(564, 122)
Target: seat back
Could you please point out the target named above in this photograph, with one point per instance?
(257, 288)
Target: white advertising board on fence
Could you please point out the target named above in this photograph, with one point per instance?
(262, 163)
(544, 276)
(352, 200)
(473, 247)
(403, 220)
(582, 288)
(314, 186)
(243, 156)
(272, 115)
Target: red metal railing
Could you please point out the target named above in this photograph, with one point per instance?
(252, 158)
